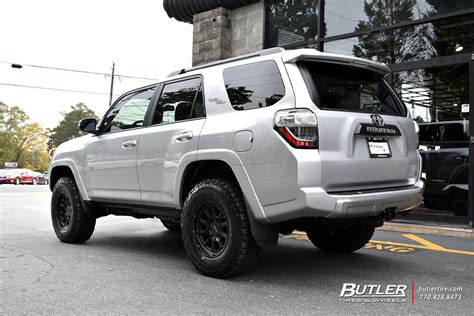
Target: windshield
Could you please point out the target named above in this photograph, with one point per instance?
(340, 87)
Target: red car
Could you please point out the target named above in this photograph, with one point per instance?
(18, 176)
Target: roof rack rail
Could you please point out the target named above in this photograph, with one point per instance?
(264, 52)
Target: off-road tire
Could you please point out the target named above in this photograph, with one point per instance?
(80, 227)
(240, 252)
(174, 226)
(341, 240)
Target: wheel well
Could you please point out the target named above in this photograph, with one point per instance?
(206, 169)
(57, 173)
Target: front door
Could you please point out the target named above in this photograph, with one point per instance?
(110, 160)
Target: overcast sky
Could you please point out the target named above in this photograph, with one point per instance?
(85, 35)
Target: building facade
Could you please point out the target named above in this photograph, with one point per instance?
(428, 44)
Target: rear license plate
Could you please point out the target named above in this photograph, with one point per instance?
(379, 148)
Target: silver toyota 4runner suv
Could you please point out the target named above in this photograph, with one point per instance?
(236, 152)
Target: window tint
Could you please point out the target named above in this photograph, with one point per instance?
(180, 101)
(129, 112)
(348, 88)
(254, 86)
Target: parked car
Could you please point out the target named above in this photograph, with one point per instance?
(18, 176)
(444, 148)
(46, 177)
(40, 178)
(233, 153)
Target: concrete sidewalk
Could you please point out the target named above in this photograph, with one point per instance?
(410, 227)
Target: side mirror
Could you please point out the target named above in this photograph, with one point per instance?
(88, 125)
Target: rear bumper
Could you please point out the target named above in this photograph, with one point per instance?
(315, 202)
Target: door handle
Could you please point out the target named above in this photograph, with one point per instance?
(129, 144)
(186, 136)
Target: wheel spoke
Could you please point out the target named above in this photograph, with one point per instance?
(212, 231)
(64, 211)
(220, 241)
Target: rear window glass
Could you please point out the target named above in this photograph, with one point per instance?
(447, 135)
(254, 86)
(340, 87)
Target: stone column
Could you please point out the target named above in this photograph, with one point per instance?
(211, 36)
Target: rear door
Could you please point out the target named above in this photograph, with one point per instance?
(110, 159)
(366, 139)
(446, 152)
(173, 134)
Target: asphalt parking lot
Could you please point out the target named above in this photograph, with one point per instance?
(133, 266)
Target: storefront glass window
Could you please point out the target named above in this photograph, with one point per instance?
(435, 94)
(438, 100)
(440, 38)
(291, 22)
(347, 16)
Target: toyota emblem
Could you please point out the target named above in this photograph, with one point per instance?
(378, 120)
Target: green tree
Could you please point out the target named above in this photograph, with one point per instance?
(392, 46)
(21, 141)
(450, 85)
(67, 128)
(294, 20)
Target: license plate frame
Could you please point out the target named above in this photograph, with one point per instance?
(381, 151)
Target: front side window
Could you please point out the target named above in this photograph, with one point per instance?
(254, 86)
(129, 112)
(180, 101)
(340, 87)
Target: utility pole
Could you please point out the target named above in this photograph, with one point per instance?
(112, 84)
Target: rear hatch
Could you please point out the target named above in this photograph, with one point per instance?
(366, 139)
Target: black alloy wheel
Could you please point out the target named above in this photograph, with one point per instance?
(64, 211)
(212, 231)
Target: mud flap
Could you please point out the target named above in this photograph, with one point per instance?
(264, 235)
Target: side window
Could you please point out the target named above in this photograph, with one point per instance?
(179, 101)
(129, 112)
(254, 85)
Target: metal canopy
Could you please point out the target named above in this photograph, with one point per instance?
(183, 10)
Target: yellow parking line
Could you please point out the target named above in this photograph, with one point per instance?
(424, 244)
(463, 252)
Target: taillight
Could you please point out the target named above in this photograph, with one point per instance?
(299, 127)
(417, 130)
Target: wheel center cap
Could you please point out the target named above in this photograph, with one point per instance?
(214, 229)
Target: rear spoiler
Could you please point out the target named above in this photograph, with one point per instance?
(314, 55)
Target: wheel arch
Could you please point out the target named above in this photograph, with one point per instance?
(67, 168)
(213, 166)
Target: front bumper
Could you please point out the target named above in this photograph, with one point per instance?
(315, 202)
(7, 181)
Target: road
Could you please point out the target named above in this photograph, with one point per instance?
(133, 266)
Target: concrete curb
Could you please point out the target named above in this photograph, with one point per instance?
(427, 229)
